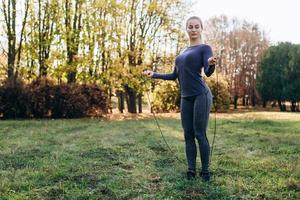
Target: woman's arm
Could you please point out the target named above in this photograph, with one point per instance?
(169, 76)
(208, 61)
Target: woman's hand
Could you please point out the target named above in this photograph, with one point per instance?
(212, 61)
(148, 73)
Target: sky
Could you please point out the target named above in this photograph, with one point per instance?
(280, 19)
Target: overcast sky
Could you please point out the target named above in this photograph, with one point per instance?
(279, 18)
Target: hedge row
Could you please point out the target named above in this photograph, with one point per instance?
(167, 95)
(44, 99)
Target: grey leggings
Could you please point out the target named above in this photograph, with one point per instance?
(194, 118)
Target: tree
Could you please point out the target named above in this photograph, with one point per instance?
(42, 25)
(73, 24)
(145, 19)
(240, 46)
(14, 51)
(279, 75)
(292, 74)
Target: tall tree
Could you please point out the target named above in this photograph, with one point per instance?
(14, 50)
(240, 46)
(145, 19)
(292, 74)
(46, 22)
(273, 74)
(73, 24)
(42, 24)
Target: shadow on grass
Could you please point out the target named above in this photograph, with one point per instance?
(22, 158)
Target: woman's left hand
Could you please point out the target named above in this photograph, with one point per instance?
(212, 61)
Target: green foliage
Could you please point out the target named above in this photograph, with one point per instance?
(292, 73)
(280, 73)
(272, 77)
(118, 77)
(220, 91)
(166, 97)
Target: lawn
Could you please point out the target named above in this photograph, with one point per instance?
(256, 156)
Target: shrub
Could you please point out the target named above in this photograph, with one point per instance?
(42, 98)
(13, 100)
(68, 103)
(220, 92)
(96, 99)
(41, 95)
(166, 97)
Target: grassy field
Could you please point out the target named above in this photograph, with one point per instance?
(256, 156)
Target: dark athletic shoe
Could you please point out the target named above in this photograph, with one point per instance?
(190, 175)
(205, 176)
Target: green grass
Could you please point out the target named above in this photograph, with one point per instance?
(96, 159)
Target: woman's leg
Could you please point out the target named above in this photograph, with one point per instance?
(187, 109)
(202, 108)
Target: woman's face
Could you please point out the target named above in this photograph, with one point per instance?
(194, 29)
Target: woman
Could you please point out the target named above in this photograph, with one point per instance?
(196, 97)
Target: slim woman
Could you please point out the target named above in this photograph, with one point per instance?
(196, 97)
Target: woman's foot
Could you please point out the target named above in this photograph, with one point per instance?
(190, 174)
(205, 176)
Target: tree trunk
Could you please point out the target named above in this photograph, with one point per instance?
(71, 76)
(244, 101)
(264, 104)
(10, 19)
(140, 103)
(72, 36)
(235, 100)
(109, 100)
(131, 99)
(11, 65)
(293, 106)
(253, 98)
(121, 106)
(281, 106)
(253, 101)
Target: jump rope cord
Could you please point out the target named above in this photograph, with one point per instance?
(215, 127)
(216, 110)
(161, 133)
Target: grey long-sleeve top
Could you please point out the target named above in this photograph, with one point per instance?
(188, 67)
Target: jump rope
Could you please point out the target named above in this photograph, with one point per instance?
(215, 124)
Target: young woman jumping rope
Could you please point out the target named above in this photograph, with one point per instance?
(196, 97)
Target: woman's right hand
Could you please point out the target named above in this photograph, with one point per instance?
(148, 73)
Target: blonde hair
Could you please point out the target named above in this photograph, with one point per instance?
(197, 18)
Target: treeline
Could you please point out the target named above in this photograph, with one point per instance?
(240, 46)
(109, 43)
(279, 78)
